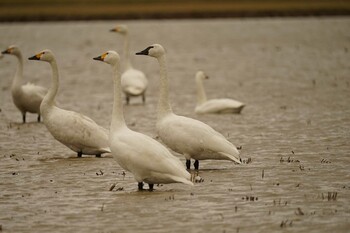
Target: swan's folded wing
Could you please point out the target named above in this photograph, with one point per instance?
(191, 135)
(218, 105)
(149, 155)
(34, 92)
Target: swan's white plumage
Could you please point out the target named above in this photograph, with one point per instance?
(26, 97)
(134, 82)
(147, 159)
(223, 105)
(78, 132)
(192, 138)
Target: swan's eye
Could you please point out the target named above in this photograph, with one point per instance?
(107, 53)
(43, 53)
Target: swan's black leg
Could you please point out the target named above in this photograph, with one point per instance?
(38, 117)
(196, 164)
(143, 98)
(24, 117)
(98, 156)
(188, 163)
(127, 98)
(150, 187)
(80, 154)
(140, 184)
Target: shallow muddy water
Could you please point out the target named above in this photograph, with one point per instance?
(293, 75)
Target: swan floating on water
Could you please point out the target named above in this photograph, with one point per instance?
(78, 132)
(134, 82)
(28, 97)
(147, 159)
(224, 105)
(192, 138)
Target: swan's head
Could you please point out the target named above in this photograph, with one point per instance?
(110, 57)
(13, 50)
(155, 50)
(201, 75)
(122, 29)
(45, 55)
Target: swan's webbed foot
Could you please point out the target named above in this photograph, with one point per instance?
(140, 186)
(98, 156)
(38, 117)
(196, 164)
(151, 187)
(188, 163)
(80, 154)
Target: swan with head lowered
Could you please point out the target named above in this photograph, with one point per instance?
(192, 138)
(134, 82)
(147, 159)
(28, 97)
(224, 105)
(78, 132)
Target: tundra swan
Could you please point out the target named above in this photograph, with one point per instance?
(147, 159)
(134, 82)
(224, 105)
(28, 97)
(78, 132)
(192, 138)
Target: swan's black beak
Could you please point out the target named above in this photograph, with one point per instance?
(113, 30)
(145, 51)
(99, 58)
(5, 51)
(35, 57)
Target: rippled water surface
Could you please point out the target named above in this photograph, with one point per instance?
(293, 75)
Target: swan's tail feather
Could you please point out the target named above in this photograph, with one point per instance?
(182, 180)
(231, 157)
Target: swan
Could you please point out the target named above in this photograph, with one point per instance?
(214, 105)
(147, 159)
(192, 138)
(76, 131)
(134, 82)
(28, 97)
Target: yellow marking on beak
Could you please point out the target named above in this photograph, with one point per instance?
(38, 56)
(103, 56)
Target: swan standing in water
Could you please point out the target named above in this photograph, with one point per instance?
(214, 105)
(147, 159)
(192, 138)
(78, 132)
(134, 82)
(28, 97)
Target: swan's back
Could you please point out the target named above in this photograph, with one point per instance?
(192, 137)
(146, 158)
(220, 106)
(134, 82)
(76, 131)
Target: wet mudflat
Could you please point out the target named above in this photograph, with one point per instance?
(293, 75)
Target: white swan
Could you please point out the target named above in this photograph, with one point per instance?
(184, 135)
(134, 82)
(28, 97)
(78, 132)
(224, 105)
(147, 159)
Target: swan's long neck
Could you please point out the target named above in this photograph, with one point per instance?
(201, 96)
(117, 114)
(127, 63)
(49, 99)
(164, 106)
(17, 80)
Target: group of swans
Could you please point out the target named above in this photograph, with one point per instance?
(147, 159)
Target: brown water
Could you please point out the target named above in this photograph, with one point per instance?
(293, 75)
